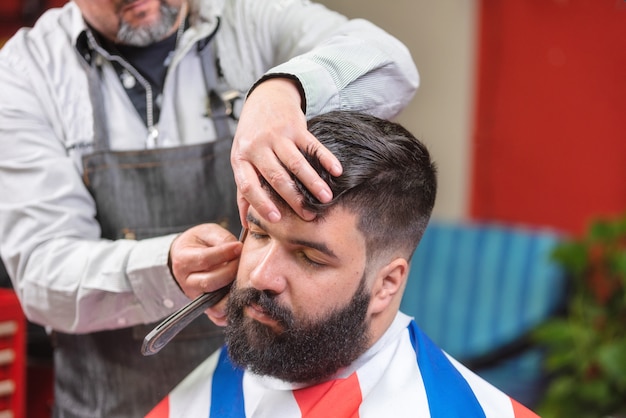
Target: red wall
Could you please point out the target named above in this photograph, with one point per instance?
(550, 138)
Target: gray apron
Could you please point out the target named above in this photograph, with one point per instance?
(142, 194)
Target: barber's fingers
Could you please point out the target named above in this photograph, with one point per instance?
(198, 282)
(289, 156)
(251, 193)
(217, 313)
(198, 259)
(275, 165)
(204, 258)
(243, 206)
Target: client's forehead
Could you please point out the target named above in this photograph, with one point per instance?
(336, 231)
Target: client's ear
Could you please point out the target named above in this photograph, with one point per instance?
(389, 284)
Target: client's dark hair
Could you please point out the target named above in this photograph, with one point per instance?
(388, 179)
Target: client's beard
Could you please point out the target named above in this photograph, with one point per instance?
(146, 35)
(306, 351)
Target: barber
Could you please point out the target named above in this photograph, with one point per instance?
(118, 124)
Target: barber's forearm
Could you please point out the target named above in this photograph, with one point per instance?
(96, 285)
(370, 71)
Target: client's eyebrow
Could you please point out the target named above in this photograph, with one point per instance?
(255, 221)
(318, 246)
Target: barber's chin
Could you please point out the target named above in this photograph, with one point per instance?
(141, 12)
(138, 5)
(255, 313)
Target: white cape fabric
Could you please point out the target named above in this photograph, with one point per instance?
(403, 375)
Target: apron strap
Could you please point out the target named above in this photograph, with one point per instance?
(100, 134)
(221, 97)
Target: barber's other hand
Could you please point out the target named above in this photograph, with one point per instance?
(204, 258)
(272, 128)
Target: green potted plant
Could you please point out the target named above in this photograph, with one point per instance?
(586, 347)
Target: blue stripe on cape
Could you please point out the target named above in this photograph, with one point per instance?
(448, 393)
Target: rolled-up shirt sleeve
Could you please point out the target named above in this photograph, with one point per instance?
(341, 63)
(371, 72)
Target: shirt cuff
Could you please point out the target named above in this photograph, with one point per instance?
(269, 76)
(151, 280)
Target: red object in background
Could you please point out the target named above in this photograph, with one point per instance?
(12, 355)
(39, 390)
(10, 9)
(11, 18)
(54, 3)
(14, 9)
(550, 133)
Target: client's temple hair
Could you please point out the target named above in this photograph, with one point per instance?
(388, 179)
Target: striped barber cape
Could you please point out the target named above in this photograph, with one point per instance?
(404, 374)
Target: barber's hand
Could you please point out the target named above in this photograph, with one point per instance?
(217, 313)
(272, 128)
(204, 258)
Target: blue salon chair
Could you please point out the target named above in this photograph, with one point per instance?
(478, 289)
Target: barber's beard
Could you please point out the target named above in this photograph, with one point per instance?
(146, 35)
(305, 351)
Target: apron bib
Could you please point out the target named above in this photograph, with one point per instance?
(142, 194)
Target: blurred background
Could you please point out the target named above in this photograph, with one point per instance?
(522, 104)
